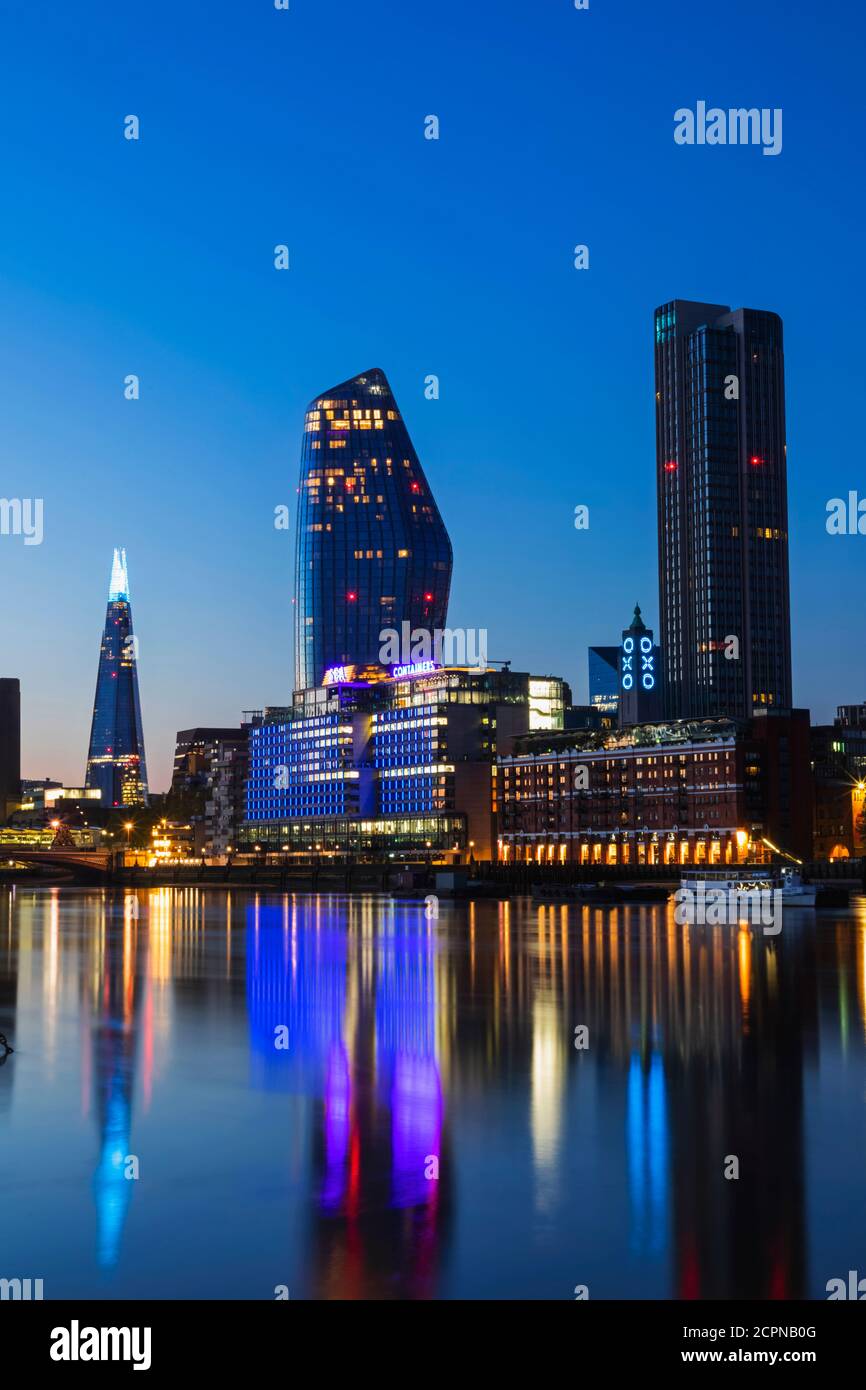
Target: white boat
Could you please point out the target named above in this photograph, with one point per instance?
(795, 892)
(733, 882)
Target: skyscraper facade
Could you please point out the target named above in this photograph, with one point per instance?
(722, 510)
(10, 745)
(116, 763)
(371, 551)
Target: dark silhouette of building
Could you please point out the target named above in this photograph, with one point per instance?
(225, 803)
(603, 665)
(10, 745)
(116, 762)
(194, 750)
(372, 551)
(722, 510)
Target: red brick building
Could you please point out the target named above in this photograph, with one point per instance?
(683, 792)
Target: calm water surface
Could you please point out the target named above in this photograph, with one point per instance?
(153, 1038)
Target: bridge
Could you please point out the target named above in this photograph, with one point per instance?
(90, 866)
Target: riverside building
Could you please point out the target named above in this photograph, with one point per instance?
(710, 791)
(379, 762)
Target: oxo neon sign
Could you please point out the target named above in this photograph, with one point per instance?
(638, 661)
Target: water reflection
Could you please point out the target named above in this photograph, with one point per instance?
(430, 1130)
(355, 986)
(111, 1000)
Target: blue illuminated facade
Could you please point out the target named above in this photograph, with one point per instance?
(371, 548)
(303, 768)
(361, 757)
(116, 762)
(410, 755)
(374, 761)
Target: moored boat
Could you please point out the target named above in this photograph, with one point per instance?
(789, 882)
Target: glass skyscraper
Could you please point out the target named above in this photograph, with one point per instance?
(116, 763)
(722, 510)
(604, 678)
(372, 551)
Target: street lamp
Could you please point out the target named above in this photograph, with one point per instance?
(128, 828)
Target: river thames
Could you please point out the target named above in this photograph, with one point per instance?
(218, 1095)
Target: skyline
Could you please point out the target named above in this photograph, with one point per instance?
(443, 877)
(546, 372)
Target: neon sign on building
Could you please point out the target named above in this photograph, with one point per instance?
(414, 668)
(339, 675)
(638, 659)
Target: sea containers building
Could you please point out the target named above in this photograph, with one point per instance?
(377, 762)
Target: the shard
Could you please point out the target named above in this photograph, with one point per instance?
(116, 762)
(372, 551)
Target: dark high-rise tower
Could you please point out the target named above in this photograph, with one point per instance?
(372, 551)
(722, 510)
(10, 745)
(116, 761)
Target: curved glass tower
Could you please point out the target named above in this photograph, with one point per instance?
(116, 762)
(372, 551)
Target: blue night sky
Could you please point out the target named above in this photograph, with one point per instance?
(452, 257)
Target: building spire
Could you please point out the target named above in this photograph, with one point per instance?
(115, 759)
(637, 622)
(119, 586)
